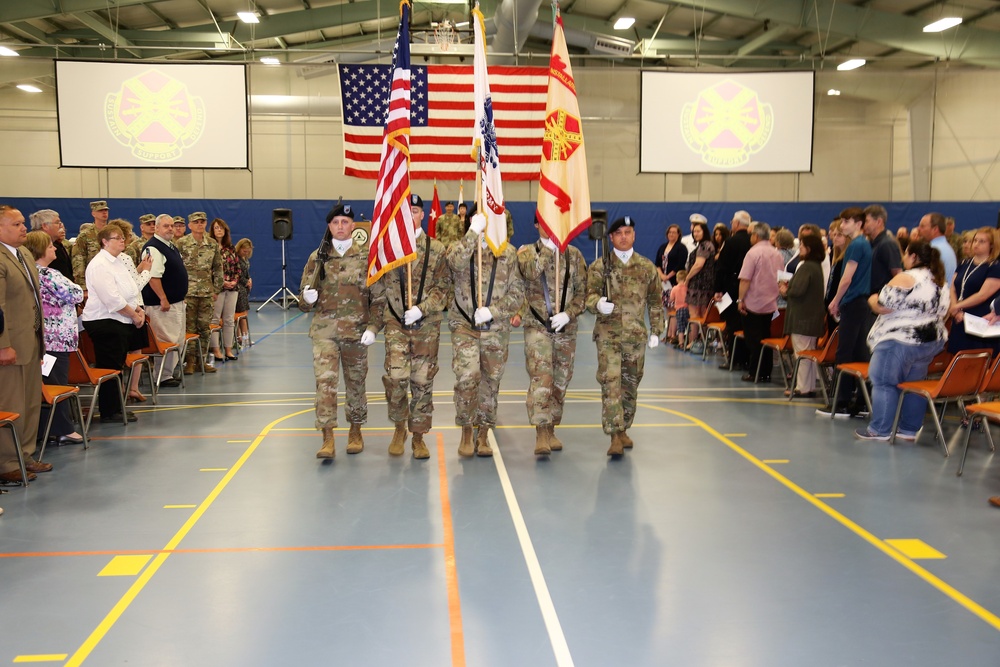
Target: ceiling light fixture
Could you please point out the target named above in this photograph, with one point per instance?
(833, 92)
(942, 24)
(854, 63)
(248, 17)
(270, 60)
(28, 88)
(624, 23)
(4, 51)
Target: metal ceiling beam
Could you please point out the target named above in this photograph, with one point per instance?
(98, 25)
(22, 10)
(757, 43)
(973, 45)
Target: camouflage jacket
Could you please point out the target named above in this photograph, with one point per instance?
(634, 289)
(134, 249)
(203, 262)
(435, 292)
(532, 261)
(347, 306)
(449, 228)
(85, 249)
(507, 289)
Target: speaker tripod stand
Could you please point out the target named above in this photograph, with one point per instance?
(283, 292)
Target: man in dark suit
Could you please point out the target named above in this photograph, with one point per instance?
(21, 346)
(727, 280)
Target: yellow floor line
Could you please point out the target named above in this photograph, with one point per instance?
(213, 469)
(125, 566)
(178, 507)
(828, 495)
(916, 549)
(774, 461)
(46, 657)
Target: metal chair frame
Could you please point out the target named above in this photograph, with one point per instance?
(859, 371)
(983, 412)
(81, 374)
(53, 395)
(823, 356)
(7, 420)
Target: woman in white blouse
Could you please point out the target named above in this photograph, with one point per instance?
(140, 274)
(112, 313)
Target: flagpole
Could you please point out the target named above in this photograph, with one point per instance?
(556, 305)
(479, 244)
(409, 285)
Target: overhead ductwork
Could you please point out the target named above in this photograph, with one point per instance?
(513, 21)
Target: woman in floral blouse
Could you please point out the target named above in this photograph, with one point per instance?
(59, 298)
(225, 304)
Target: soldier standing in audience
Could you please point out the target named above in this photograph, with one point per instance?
(147, 228)
(412, 335)
(180, 227)
(86, 246)
(450, 227)
(550, 327)
(203, 261)
(480, 333)
(348, 313)
(621, 297)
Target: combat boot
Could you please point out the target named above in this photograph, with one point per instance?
(617, 448)
(483, 442)
(626, 441)
(465, 447)
(397, 446)
(189, 368)
(355, 443)
(327, 451)
(210, 369)
(419, 448)
(554, 443)
(542, 446)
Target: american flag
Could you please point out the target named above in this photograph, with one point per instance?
(442, 116)
(392, 242)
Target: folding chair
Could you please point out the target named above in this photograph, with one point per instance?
(81, 374)
(961, 380)
(711, 315)
(188, 337)
(155, 347)
(982, 412)
(991, 383)
(714, 331)
(939, 363)
(53, 395)
(824, 356)
(7, 420)
(777, 343)
(859, 371)
(142, 361)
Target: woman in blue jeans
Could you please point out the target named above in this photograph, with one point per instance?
(907, 334)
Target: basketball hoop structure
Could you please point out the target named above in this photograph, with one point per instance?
(445, 35)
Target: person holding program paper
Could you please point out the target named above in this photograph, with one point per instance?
(805, 316)
(907, 334)
(975, 285)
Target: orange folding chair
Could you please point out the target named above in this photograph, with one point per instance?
(53, 395)
(859, 371)
(83, 375)
(711, 315)
(961, 380)
(824, 356)
(244, 317)
(155, 346)
(7, 420)
(779, 344)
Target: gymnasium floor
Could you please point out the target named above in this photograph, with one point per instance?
(742, 531)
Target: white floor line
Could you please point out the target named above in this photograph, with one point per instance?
(552, 625)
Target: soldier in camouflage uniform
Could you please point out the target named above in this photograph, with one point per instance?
(147, 227)
(480, 335)
(450, 227)
(180, 227)
(412, 335)
(87, 245)
(203, 261)
(348, 313)
(550, 331)
(621, 304)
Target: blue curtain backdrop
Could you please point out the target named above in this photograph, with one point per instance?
(252, 219)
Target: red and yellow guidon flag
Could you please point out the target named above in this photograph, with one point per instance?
(563, 189)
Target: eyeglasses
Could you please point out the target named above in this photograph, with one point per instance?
(116, 238)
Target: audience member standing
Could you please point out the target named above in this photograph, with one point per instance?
(887, 260)
(225, 302)
(932, 229)
(244, 251)
(975, 285)
(727, 281)
(48, 221)
(87, 246)
(204, 268)
(758, 299)
(805, 314)
(165, 294)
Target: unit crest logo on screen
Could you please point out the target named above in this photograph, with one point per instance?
(155, 116)
(727, 124)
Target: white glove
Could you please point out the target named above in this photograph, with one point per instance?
(310, 295)
(478, 223)
(483, 315)
(654, 340)
(367, 338)
(558, 321)
(604, 307)
(412, 315)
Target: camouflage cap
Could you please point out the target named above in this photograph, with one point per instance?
(626, 221)
(149, 218)
(99, 205)
(198, 215)
(179, 220)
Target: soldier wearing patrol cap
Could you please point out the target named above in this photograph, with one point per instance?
(180, 227)
(147, 228)
(412, 335)
(621, 296)
(550, 330)
(450, 226)
(87, 246)
(347, 315)
(203, 261)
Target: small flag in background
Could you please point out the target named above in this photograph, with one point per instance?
(461, 197)
(484, 145)
(392, 241)
(434, 214)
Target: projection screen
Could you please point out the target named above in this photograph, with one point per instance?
(142, 115)
(726, 122)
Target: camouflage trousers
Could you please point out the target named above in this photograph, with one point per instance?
(198, 321)
(549, 359)
(619, 371)
(411, 362)
(478, 361)
(329, 356)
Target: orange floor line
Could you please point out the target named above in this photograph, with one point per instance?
(130, 552)
(284, 434)
(450, 569)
